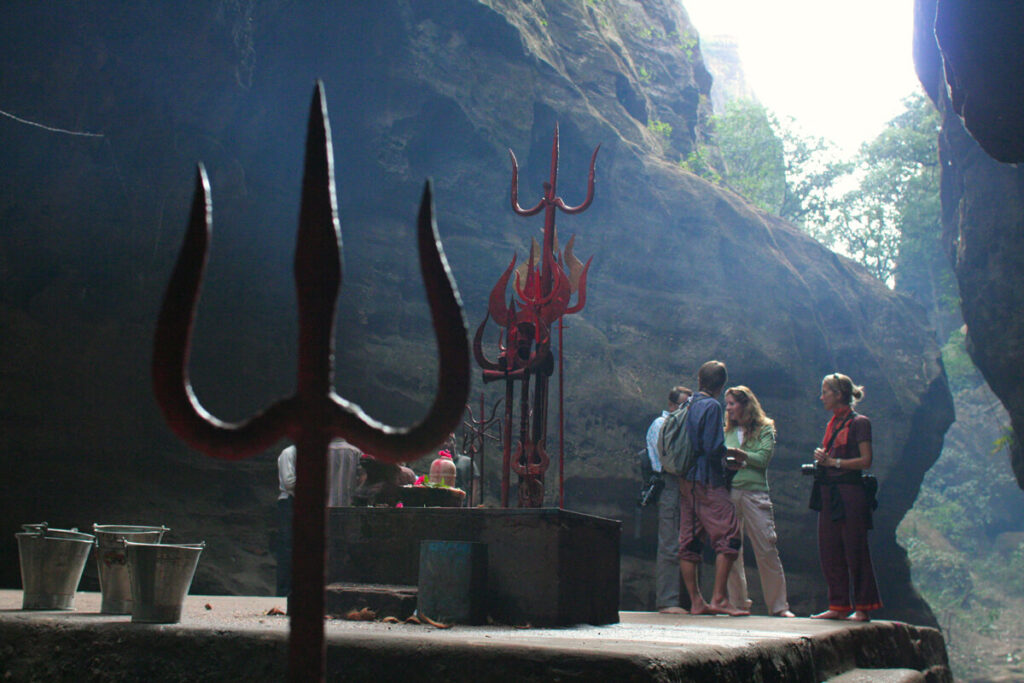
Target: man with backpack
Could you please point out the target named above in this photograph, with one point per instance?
(705, 505)
(666, 573)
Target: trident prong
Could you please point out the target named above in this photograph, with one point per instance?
(550, 199)
(315, 413)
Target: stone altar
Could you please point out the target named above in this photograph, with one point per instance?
(545, 566)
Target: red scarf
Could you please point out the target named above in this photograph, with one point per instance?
(839, 418)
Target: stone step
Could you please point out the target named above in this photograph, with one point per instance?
(879, 676)
(386, 600)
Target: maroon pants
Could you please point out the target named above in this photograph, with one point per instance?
(706, 509)
(843, 547)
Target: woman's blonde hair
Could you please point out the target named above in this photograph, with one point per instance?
(849, 393)
(752, 418)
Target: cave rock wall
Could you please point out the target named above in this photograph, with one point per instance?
(684, 271)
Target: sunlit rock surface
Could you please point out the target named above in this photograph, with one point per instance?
(683, 271)
(982, 198)
(722, 55)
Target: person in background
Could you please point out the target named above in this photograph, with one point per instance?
(844, 515)
(467, 476)
(286, 494)
(704, 502)
(342, 472)
(750, 444)
(666, 567)
(380, 483)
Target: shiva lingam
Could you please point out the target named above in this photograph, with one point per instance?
(442, 470)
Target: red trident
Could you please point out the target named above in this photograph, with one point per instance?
(315, 414)
(543, 300)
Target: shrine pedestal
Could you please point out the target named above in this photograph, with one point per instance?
(545, 566)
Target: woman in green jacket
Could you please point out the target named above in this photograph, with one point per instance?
(750, 444)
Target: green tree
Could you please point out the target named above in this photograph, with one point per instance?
(881, 208)
(812, 170)
(864, 229)
(891, 220)
(909, 148)
(777, 168)
(752, 154)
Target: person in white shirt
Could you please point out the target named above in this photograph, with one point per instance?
(286, 492)
(666, 572)
(342, 463)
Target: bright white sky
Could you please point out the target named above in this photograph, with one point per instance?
(839, 68)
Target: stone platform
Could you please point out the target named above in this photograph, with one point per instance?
(544, 566)
(234, 639)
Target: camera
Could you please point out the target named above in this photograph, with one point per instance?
(809, 468)
(651, 490)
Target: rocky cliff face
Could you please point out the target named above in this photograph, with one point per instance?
(722, 56)
(968, 59)
(683, 271)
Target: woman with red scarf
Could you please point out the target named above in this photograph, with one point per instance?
(844, 512)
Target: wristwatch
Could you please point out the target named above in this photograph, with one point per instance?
(838, 463)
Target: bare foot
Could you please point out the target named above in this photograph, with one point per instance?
(726, 607)
(672, 610)
(698, 607)
(829, 614)
(784, 613)
(858, 616)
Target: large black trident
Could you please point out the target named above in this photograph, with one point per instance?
(315, 414)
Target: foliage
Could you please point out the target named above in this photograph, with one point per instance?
(960, 370)
(943, 576)
(962, 535)
(700, 163)
(1008, 572)
(968, 593)
(812, 170)
(753, 159)
(660, 128)
(892, 221)
(685, 41)
(969, 497)
(1007, 442)
(880, 208)
(434, 484)
(774, 166)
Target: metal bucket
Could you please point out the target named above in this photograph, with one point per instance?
(160, 578)
(52, 561)
(112, 562)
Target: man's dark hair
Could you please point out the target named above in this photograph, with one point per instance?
(679, 394)
(712, 376)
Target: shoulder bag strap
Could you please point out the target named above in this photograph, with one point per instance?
(842, 425)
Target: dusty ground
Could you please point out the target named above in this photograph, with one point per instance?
(225, 638)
